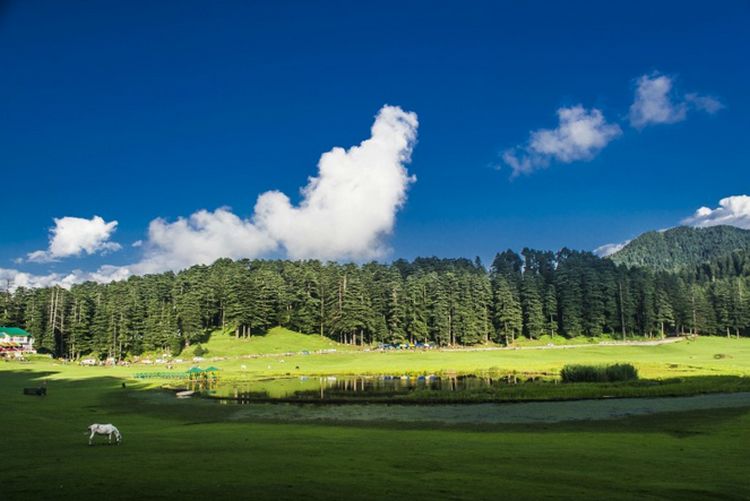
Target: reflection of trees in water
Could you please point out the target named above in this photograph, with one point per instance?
(204, 385)
(333, 387)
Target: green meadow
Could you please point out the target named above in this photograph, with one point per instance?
(280, 352)
(197, 448)
(278, 340)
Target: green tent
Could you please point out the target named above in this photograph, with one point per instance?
(211, 369)
(195, 370)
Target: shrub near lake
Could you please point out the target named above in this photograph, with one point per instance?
(598, 374)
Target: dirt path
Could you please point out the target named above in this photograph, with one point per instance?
(530, 412)
(655, 342)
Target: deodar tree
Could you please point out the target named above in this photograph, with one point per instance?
(439, 301)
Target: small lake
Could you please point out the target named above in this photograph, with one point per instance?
(489, 414)
(334, 387)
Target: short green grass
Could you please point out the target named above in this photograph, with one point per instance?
(189, 449)
(704, 357)
(278, 340)
(546, 340)
(705, 365)
(280, 352)
(193, 449)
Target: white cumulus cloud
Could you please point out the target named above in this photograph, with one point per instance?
(202, 238)
(73, 236)
(656, 103)
(733, 211)
(345, 211)
(13, 279)
(352, 203)
(580, 135)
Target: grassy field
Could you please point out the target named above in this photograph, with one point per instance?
(546, 339)
(684, 367)
(199, 448)
(277, 340)
(190, 449)
(702, 357)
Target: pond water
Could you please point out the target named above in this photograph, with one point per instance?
(489, 414)
(333, 387)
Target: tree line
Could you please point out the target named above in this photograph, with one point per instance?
(440, 301)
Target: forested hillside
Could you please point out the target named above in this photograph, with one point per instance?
(443, 301)
(682, 247)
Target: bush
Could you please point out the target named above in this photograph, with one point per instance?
(621, 372)
(598, 373)
(199, 351)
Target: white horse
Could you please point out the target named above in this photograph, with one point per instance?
(104, 429)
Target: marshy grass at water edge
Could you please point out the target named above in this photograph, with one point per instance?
(598, 373)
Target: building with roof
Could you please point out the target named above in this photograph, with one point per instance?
(15, 340)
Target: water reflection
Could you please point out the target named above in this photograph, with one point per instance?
(333, 387)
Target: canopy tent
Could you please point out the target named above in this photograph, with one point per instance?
(198, 373)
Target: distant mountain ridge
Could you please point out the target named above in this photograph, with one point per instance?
(682, 247)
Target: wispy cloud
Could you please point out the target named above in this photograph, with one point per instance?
(656, 102)
(580, 135)
(708, 104)
(609, 249)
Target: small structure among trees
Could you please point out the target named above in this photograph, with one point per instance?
(15, 341)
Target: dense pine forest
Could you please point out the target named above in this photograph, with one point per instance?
(442, 301)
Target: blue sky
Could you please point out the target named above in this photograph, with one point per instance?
(144, 110)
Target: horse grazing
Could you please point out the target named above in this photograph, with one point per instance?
(105, 429)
